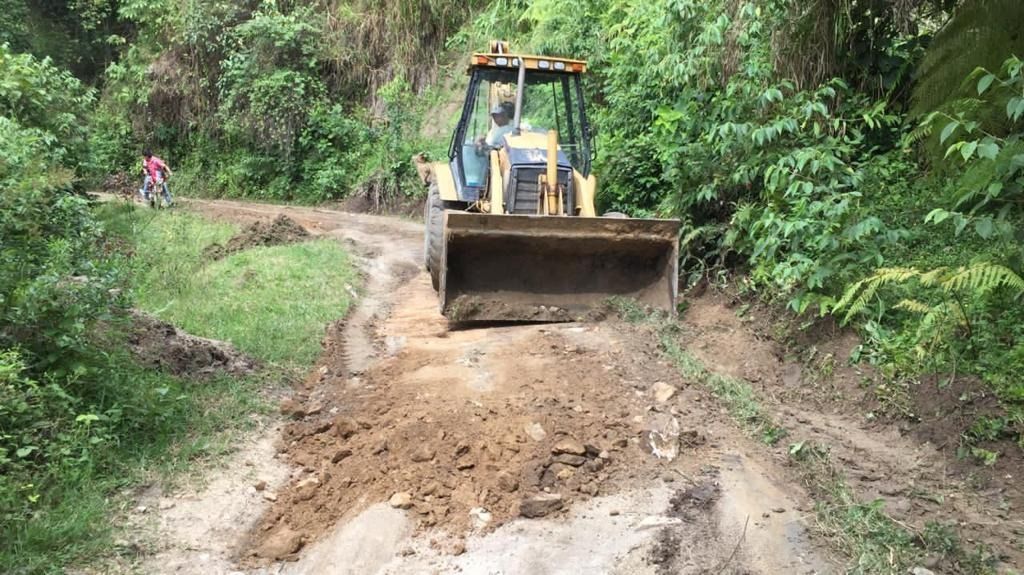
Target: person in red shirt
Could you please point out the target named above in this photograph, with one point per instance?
(157, 171)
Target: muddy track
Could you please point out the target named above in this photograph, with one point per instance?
(415, 446)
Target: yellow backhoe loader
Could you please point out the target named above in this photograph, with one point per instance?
(511, 229)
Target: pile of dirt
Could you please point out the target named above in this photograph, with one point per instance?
(471, 447)
(161, 345)
(281, 230)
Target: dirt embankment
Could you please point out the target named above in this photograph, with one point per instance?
(895, 444)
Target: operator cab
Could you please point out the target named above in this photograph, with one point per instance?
(552, 99)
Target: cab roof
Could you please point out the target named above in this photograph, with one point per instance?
(502, 61)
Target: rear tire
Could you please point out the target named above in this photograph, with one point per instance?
(434, 216)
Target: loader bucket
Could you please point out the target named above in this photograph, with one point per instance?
(553, 268)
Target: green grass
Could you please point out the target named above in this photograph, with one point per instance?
(156, 427)
(875, 542)
(272, 303)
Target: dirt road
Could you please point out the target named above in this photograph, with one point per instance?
(415, 446)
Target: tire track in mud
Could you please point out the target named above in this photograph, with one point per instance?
(401, 403)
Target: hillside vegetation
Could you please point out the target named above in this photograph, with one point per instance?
(856, 159)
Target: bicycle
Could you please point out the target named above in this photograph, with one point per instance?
(155, 197)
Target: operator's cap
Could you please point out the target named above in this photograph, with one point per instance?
(503, 108)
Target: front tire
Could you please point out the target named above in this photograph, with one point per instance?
(434, 216)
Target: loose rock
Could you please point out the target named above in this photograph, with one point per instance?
(480, 516)
(401, 500)
(422, 454)
(283, 542)
(340, 454)
(535, 431)
(507, 482)
(345, 426)
(540, 505)
(306, 489)
(662, 391)
(570, 446)
(573, 460)
(661, 436)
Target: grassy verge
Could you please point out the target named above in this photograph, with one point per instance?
(876, 542)
(121, 424)
(270, 302)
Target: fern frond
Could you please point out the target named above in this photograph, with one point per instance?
(857, 296)
(933, 277)
(894, 275)
(914, 306)
(982, 278)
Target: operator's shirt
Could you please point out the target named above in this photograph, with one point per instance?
(497, 134)
(154, 165)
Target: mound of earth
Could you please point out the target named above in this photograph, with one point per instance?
(281, 230)
(520, 423)
(159, 344)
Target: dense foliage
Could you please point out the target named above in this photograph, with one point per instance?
(276, 100)
(68, 402)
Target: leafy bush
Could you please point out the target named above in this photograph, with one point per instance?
(40, 96)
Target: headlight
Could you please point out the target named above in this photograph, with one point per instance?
(559, 65)
(544, 65)
(501, 61)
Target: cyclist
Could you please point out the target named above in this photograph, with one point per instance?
(157, 171)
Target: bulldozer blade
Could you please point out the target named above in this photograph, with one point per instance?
(554, 268)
